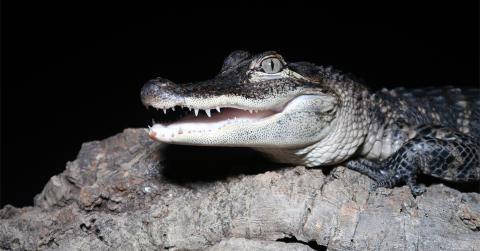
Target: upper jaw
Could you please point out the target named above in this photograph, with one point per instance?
(163, 94)
(221, 102)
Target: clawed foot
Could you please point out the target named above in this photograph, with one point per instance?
(386, 175)
(375, 185)
(416, 189)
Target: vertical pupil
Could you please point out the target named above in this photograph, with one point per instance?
(272, 65)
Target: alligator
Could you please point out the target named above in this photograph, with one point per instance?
(304, 114)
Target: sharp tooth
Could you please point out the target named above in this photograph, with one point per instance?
(190, 108)
(218, 109)
(256, 111)
(153, 122)
(164, 110)
(250, 111)
(207, 111)
(196, 112)
(173, 108)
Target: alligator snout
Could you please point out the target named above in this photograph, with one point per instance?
(157, 91)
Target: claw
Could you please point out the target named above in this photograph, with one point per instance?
(417, 189)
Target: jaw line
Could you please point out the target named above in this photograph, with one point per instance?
(222, 101)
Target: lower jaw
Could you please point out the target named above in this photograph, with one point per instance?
(202, 125)
(176, 131)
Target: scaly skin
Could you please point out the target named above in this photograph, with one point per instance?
(305, 114)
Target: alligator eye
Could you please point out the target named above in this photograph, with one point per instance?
(271, 65)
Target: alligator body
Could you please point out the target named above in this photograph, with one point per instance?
(305, 114)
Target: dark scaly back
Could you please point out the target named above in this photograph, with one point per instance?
(444, 106)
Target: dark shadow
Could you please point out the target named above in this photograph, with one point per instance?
(184, 164)
(326, 170)
(312, 244)
(466, 187)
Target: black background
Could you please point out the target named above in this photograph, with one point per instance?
(71, 72)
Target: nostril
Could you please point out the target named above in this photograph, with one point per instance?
(156, 84)
(158, 92)
(149, 86)
(148, 92)
(161, 82)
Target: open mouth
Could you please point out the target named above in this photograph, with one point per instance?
(180, 120)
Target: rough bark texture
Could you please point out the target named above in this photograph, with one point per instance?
(120, 194)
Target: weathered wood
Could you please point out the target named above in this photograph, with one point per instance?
(115, 196)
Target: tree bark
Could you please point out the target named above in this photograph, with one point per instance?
(122, 193)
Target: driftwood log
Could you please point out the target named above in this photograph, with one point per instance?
(123, 193)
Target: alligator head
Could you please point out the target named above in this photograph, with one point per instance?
(258, 101)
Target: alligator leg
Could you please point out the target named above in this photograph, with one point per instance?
(435, 151)
(366, 167)
(409, 177)
(379, 172)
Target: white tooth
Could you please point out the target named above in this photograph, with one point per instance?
(153, 122)
(256, 111)
(207, 111)
(196, 112)
(250, 111)
(173, 108)
(218, 109)
(190, 108)
(164, 111)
